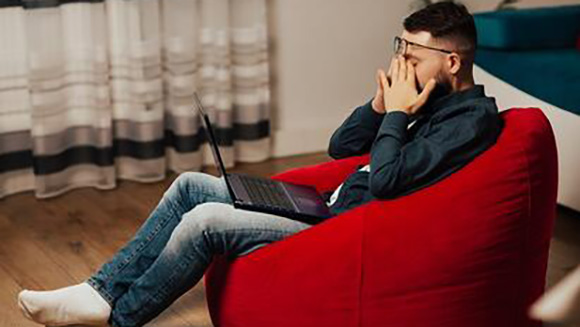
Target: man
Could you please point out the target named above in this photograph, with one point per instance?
(453, 123)
(430, 82)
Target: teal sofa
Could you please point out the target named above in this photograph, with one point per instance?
(531, 58)
(534, 50)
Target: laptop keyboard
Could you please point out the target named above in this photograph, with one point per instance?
(266, 193)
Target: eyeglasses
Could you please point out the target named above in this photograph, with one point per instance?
(400, 46)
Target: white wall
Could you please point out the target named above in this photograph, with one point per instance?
(325, 55)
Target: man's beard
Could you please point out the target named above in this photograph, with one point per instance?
(442, 88)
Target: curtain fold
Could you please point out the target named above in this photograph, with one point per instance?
(96, 91)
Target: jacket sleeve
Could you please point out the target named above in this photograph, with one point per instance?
(399, 166)
(356, 134)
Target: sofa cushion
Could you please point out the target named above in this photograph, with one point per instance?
(538, 28)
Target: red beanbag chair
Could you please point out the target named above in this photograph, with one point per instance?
(470, 250)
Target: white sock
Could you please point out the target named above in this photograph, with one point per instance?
(77, 304)
(561, 304)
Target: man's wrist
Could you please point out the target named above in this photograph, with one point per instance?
(405, 111)
(375, 109)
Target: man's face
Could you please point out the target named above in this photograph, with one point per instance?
(428, 63)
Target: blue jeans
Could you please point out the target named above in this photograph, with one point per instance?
(172, 249)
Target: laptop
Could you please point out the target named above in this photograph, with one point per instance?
(266, 195)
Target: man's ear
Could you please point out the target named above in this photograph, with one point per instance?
(454, 63)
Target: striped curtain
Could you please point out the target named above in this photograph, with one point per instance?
(92, 91)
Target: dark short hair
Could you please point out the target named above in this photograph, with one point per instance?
(445, 20)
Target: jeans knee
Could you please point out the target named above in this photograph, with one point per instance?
(184, 182)
(185, 179)
(208, 217)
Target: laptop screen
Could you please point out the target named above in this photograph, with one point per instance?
(211, 136)
(212, 142)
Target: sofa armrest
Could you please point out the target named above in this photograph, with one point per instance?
(326, 176)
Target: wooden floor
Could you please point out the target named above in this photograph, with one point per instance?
(47, 244)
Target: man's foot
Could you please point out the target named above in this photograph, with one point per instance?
(73, 305)
(561, 304)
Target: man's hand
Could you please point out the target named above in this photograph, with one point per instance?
(378, 103)
(400, 92)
